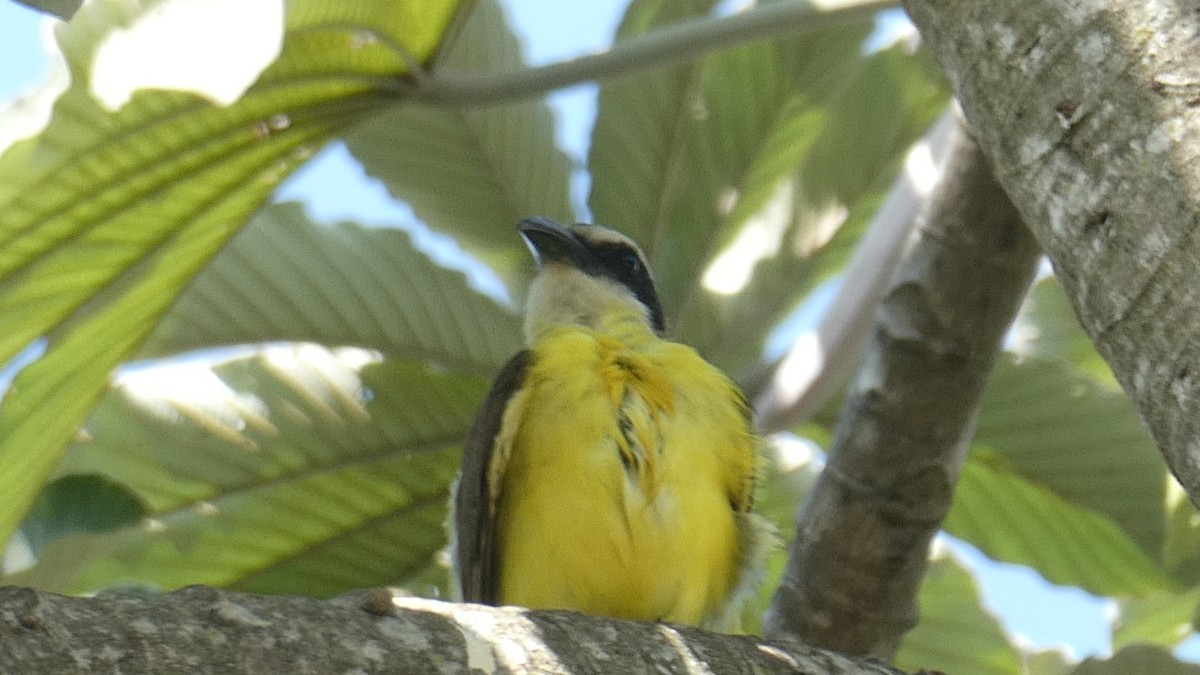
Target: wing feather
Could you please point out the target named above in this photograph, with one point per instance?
(474, 517)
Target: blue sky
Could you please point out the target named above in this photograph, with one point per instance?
(335, 187)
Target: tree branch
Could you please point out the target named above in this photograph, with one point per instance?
(818, 364)
(684, 41)
(206, 630)
(862, 540)
(1090, 115)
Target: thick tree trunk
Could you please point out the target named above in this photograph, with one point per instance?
(204, 630)
(1089, 113)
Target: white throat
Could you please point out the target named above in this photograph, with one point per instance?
(561, 295)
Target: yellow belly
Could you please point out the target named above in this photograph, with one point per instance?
(651, 535)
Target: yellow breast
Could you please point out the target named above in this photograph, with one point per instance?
(626, 466)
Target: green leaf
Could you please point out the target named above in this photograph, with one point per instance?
(873, 114)
(60, 8)
(955, 633)
(473, 173)
(639, 168)
(1081, 440)
(299, 470)
(79, 503)
(863, 150)
(728, 178)
(1140, 659)
(1014, 519)
(285, 278)
(106, 216)
(1163, 619)
(1048, 662)
(732, 117)
(1047, 327)
(1181, 551)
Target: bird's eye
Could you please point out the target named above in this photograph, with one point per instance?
(632, 262)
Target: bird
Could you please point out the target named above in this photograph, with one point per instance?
(609, 470)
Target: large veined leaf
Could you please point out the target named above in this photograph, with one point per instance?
(1181, 550)
(874, 116)
(1140, 659)
(733, 116)
(1047, 327)
(182, 441)
(473, 173)
(300, 469)
(1163, 619)
(955, 634)
(79, 503)
(721, 178)
(1079, 439)
(1048, 662)
(639, 148)
(285, 278)
(61, 8)
(1014, 519)
(106, 215)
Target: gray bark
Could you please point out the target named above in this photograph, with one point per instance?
(862, 539)
(205, 630)
(1089, 113)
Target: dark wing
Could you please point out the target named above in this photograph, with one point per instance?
(474, 522)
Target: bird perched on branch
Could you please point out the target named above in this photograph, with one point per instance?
(610, 471)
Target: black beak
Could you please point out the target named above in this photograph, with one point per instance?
(550, 241)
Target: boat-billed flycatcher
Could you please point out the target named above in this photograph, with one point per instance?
(609, 471)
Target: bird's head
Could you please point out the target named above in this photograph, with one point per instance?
(588, 275)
